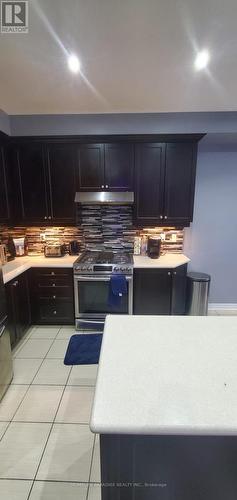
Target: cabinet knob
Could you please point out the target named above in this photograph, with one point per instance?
(53, 273)
(161, 216)
(16, 283)
(53, 284)
(55, 312)
(166, 217)
(169, 273)
(54, 296)
(50, 217)
(45, 217)
(106, 186)
(175, 273)
(102, 186)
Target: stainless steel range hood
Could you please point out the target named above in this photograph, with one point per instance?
(105, 197)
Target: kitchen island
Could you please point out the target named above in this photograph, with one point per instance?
(166, 408)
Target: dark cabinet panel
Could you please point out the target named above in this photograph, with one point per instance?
(149, 192)
(90, 166)
(18, 303)
(159, 291)
(4, 195)
(178, 298)
(119, 166)
(179, 182)
(152, 291)
(30, 183)
(62, 183)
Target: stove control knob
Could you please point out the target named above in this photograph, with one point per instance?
(116, 269)
(88, 269)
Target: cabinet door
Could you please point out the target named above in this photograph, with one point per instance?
(18, 307)
(152, 291)
(30, 182)
(149, 190)
(119, 166)
(4, 201)
(62, 182)
(23, 305)
(179, 182)
(90, 167)
(178, 298)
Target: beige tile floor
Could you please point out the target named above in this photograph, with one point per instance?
(47, 451)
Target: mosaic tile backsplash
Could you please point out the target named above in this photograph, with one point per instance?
(99, 227)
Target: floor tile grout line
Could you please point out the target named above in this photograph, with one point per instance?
(47, 440)
(8, 423)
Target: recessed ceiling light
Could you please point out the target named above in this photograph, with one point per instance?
(74, 63)
(202, 60)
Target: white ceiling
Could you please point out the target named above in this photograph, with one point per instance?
(137, 56)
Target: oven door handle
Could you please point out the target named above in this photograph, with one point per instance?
(97, 278)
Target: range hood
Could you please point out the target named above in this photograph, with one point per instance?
(105, 197)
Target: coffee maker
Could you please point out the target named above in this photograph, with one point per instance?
(154, 247)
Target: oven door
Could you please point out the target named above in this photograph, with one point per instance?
(91, 301)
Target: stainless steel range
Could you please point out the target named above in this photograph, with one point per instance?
(92, 274)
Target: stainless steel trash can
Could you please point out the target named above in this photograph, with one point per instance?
(198, 285)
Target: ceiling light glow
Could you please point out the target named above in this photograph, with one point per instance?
(202, 60)
(74, 63)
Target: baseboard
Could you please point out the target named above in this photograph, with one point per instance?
(221, 307)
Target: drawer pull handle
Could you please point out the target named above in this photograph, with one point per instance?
(55, 312)
(52, 273)
(53, 284)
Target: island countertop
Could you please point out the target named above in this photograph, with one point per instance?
(173, 375)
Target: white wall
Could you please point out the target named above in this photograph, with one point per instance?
(211, 241)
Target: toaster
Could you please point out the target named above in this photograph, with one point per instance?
(54, 250)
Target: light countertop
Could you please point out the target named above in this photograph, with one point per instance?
(169, 260)
(14, 268)
(167, 375)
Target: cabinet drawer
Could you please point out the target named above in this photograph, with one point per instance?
(52, 272)
(54, 292)
(55, 311)
(56, 282)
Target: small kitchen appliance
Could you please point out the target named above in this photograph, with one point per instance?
(54, 250)
(92, 279)
(154, 247)
(74, 247)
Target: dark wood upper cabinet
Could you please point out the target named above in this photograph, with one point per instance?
(119, 166)
(179, 182)
(149, 182)
(61, 170)
(90, 167)
(30, 182)
(4, 193)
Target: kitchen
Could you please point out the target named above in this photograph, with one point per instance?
(105, 211)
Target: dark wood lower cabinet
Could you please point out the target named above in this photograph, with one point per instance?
(52, 300)
(159, 291)
(18, 305)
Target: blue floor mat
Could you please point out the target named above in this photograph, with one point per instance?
(83, 349)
